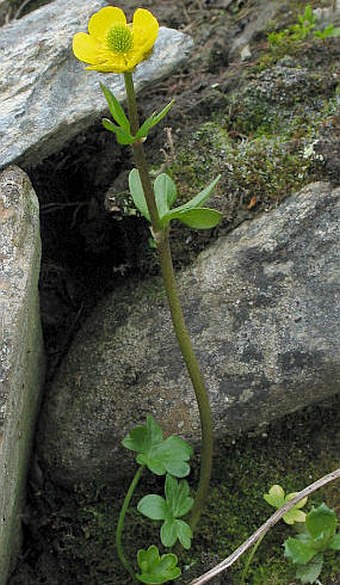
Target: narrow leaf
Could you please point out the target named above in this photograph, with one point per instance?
(153, 120)
(116, 109)
(202, 197)
(137, 193)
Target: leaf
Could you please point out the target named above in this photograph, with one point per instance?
(172, 530)
(153, 120)
(172, 456)
(116, 109)
(184, 533)
(275, 496)
(153, 507)
(159, 455)
(310, 572)
(122, 136)
(165, 193)
(169, 532)
(156, 569)
(298, 551)
(202, 196)
(137, 193)
(142, 437)
(199, 219)
(177, 496)
(321, 522)
(335, 542)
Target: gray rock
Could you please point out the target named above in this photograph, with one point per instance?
(21, 349)
(47, 96)
(261, 306)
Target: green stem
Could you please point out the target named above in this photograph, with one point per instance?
(121, 521)
(161, 236)
(250, 559)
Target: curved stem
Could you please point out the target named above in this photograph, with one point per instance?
(121, 521)
(249, 559)
(195, 374)
(161, 236)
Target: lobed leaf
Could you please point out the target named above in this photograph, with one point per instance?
(321, 522)
(298, 551)
(156, 569)
(159, 455)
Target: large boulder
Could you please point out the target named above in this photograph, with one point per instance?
(21, 349)
(47, 96)
(261, 307)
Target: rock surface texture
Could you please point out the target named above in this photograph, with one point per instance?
(21, 349)
(47, 95)
(261, 307)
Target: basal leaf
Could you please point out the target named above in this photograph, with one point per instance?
(184, 533)
(137, 193)
(298, 551)
(335, 542)
(159, 455)
(156, 569)
(116, 109)
(165, 193)
(168, 533)
(143, 437)
(178, 496)
(154, 507)
(321, 522)
(172, 455)
(275, 496)
(310, 572)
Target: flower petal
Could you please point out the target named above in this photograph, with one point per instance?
(101, 22)
(86, 48)
(145, 30)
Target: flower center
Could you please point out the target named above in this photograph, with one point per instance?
(119, 39)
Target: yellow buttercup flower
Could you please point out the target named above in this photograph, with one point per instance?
(112, 45)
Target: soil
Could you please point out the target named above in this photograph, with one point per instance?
(93, 243)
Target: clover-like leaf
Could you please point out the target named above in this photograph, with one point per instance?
(321, 523)
(156, 569)
(159, 455)
(137, 193)
(177, 503)
(276, 498)
(309, 573)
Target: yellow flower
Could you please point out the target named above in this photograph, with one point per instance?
(112, 45)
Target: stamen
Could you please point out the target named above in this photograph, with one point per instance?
(119, 39)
